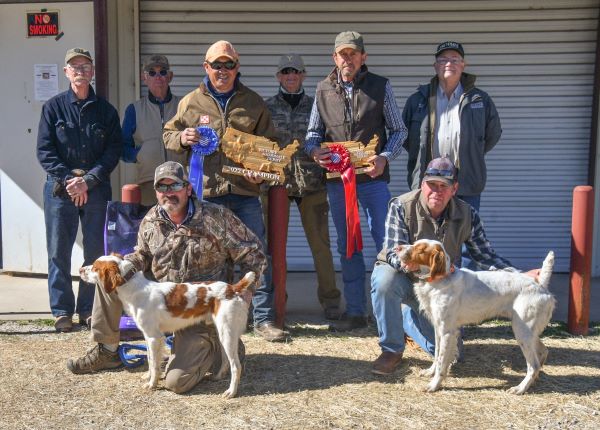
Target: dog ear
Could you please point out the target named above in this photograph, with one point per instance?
(437, 263)
(111, 278)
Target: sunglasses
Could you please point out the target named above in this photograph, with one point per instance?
(290, 70)
(218, 65)
(442, 173)
(153, 73)
(165, 188)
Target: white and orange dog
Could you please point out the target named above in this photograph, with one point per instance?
(451, 299)
(160, 307)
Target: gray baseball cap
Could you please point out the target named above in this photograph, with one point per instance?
(349, 39)
(170, 170)
(78, 52)
(291, 60)
(156, 61)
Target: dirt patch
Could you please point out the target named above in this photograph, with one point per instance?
(316, 381)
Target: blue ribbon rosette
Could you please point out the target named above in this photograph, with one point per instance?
(209, 141)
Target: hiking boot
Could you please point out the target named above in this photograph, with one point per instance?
(95, 359)
(332, 313)
(268, 331)
(386, 363)
(349, 323)
(63, 323)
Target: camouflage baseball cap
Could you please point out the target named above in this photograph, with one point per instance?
(454, 46)
(442, 170)
(78, 52)
(156, 61)
(293, 61)
(170, 170)
(349, 39)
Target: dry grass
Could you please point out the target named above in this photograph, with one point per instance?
(317, 381)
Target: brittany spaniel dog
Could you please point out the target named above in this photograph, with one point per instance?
(159, 307)
(453, 298)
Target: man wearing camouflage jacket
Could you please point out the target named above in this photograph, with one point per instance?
(181, 239)
(290, 110)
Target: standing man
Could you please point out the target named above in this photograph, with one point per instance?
(143, 124)
(451, 117)
(181, 239)
(431, 212)
(355, 104)
(290, 109)
(78, 146)
(219, 102)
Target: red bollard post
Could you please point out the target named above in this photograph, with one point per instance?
(131, 193)
(582, 223)
(277, 238)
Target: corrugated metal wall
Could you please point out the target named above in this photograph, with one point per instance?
(535, 58)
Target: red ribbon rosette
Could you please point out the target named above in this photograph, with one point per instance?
(340, 162)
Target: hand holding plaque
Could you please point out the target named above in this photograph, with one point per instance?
(258, 155)
(358, 153)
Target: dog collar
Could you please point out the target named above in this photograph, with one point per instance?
(129, 274)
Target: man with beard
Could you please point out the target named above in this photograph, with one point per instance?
(78, 146)
(181, 239)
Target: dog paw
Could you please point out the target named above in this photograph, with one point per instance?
(518, 390)
(229, 394)
(433, 386)
(150, 386)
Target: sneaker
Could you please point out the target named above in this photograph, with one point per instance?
(95, 359)
(63, 323)
(333, 313)
(386, 363)
(349, 323)
(269, 332)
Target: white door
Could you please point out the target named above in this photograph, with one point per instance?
(21, 177)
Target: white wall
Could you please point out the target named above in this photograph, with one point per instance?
(22, 178)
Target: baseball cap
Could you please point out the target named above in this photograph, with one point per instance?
(291, 60)
(441, 169)
(170, 170)
(455, 46)
(349, 39)
(222, 48)
(78, 52)
(156, 61)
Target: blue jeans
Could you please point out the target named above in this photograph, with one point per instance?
(466, 260)
(396, 310)
(62, 219)
(373, 197)
(249, 211)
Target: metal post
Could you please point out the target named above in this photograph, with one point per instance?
(582, 223)
(277, 237)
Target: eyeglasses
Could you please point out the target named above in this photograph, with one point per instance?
(448, 174)
(153, 73)
(290, 70)
(218, 65)
(83, 68)
(165, 188)
(444, 60)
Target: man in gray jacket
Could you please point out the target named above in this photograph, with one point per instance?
(451, 117)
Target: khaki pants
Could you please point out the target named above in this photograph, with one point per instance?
(195, 349)
(314, 213)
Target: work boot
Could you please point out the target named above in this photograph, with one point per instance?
(386, 363)
(63, 323)
(268, 331)
(349, 323)
(332, 313)
(95, 359)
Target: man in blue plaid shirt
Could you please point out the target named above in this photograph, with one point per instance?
(431, 212)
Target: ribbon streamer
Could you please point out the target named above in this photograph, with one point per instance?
(340, 162)
(208, 143)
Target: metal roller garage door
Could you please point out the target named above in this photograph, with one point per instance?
(535, 58)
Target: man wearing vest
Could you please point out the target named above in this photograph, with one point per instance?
(290, 109)
(431, 212)
(143, 124)
(353, 104)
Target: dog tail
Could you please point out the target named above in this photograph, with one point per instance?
(546, 272)
(244, 283)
